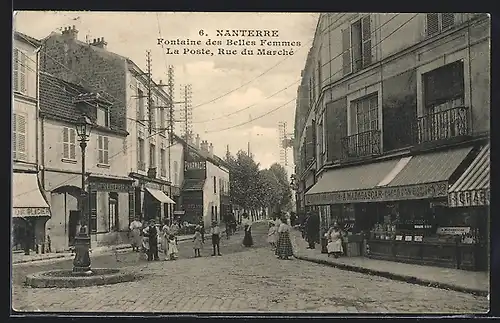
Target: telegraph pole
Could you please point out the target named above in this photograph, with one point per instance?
(150, 97)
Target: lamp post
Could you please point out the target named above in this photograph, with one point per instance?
(81, 263)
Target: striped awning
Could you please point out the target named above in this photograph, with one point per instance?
(473, 187)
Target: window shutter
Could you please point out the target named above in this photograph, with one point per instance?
(432, 23)
(22, 72)
(447, 20)
(138, 103)
(93, 211)
(100, 155)
(65, 142)
(131, 206)
(367, 40)
(346, 50)
(105, 150)
(16, 69)
(72, 144)
(21, 137)
(14, 138)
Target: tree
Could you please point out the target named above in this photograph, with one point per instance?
(285, 191)
(243, 179)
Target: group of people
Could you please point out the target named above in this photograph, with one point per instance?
(145, 239)
(279, 237)
(310, 232)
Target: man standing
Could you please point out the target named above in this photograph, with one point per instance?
(312, 230)
(215, 231)
(153, 241)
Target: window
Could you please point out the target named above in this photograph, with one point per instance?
(163, 170)
(320, 79)
(437, 22)
(113, 212)
(69, 143)
(216, 213)
(20, 71)
(221, 185)
(152, 156)
(140, 105)
(152, 113)
(161, 111)
(176, 173)
(213, 213)
(366, 110)
(141, 164)
(103, 116)
(19, 128)
(215, 185)
(103, 150)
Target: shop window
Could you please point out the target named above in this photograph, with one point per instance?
(102, 150)
(20, 71)
(141, 163)
(19, 144)
(438, 22)
(113, 212)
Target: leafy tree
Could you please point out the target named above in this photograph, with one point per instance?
(243, 179)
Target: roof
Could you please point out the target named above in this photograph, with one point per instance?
(27, 39)
(211, 158)
(193, 184)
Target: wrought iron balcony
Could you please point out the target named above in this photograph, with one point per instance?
(443, 125)
(362, 144)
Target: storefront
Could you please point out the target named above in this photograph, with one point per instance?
(29, 215)
(394, 206)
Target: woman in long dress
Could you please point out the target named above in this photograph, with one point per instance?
(247, 225)
(165, 233)
(284, 248)
(334, 245)
(135, 231)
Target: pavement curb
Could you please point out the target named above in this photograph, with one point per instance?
(393, 276)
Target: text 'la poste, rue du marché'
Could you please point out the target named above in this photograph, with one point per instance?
(231, 42)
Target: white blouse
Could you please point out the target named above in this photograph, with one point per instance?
(284, 228)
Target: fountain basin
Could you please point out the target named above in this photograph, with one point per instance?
(65, 278)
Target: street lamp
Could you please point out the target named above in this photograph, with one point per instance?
(81, 263)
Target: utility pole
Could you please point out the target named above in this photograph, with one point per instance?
(186, 112)
(150, 97)
(170, 84)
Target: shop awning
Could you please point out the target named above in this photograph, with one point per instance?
(160, 196)
(331, 188)
(473, 187)
(27, 199)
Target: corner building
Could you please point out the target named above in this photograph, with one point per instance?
(392, 135)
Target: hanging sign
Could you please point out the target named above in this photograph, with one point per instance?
(469, 198)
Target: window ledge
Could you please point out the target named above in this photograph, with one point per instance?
(103, 165)
(69, 161)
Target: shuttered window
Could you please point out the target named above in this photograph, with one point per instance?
(141, 163)
(437, 22)
(103, 150)
(346, 51)
(131, 206)
(367, 41)
(140, 105)
(19, 129)
(69, 143)
(20, 71)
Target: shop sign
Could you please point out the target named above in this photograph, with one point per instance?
(193, 207)
(156, 186)
(453, 230)
(109, 187)
(31, 211)
(469, 198)
(195, 165)
(179, 212)
(381, 194)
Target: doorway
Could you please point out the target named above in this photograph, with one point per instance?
(113, 212)
(74, 218)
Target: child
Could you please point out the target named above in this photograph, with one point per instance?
(198, 242)
(271, 235)
(172, 247)
(145, 245)
(215, 231)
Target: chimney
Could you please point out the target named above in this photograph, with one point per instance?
(197, 142)
(211, 149)
(204, 146)
(70, 32)
(99, 42)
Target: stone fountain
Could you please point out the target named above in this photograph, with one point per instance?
(82, 275)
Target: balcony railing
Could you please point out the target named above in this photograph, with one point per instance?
(362, 144)
(447, 124)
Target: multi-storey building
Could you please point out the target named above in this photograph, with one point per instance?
(138, 106)
(106, 180)
(392, 124)
(205, 192)
(30, 208)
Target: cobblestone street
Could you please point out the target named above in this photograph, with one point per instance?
(250, 280)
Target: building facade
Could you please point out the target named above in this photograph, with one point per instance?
(391, 112)
(106, 180)
(205, 192)
(139, 106)
(30, 207)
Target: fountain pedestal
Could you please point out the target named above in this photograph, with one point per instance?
(81, 263)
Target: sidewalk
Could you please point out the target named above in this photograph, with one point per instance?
(453, 279)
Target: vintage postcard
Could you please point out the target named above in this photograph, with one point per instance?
(178, 162)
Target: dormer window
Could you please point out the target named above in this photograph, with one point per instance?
(103, 116)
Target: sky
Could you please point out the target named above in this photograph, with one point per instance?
(221, 84)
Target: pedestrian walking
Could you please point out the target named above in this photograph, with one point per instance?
(173, 251)
(284, 248)
(271, 235)
(334, 245)
(135, 234)
(153, 241)
(312, 230)
(247, 225)
(165, 233)
(198, 241)
(215, 232)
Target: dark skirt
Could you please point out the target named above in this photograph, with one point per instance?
(284, 246)
(215, 239)
(247, 240)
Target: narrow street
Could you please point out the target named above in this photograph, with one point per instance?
(242, 280)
